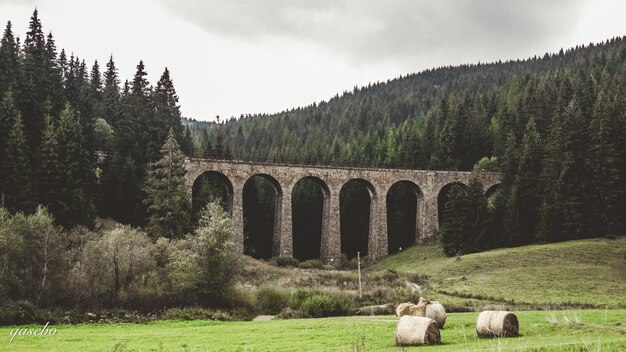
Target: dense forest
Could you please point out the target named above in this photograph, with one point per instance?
(57, 116)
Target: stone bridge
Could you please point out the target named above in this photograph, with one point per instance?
(426, 184)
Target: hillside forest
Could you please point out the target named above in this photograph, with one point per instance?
(78, 143)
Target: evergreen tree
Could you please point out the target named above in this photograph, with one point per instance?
(167, 197)
(17, 186)
(111, 100)
(53, 80)
(51, 171)
(30, 95)
(95, 90)
(9, 65)
(456, 219)
(166, 115)
(78, 174)
(527, 185)
(605, 157)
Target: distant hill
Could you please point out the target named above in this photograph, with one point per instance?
(358, 127)
(578, 273)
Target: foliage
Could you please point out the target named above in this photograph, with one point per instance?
(271, 300)
(285, 261)
(166, 194)
(205, 265)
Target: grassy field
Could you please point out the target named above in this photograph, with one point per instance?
(586, 330)
(585, 272)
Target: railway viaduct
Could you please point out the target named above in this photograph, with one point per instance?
(426, 184)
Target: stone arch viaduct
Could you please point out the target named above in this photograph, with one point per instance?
(427, 186)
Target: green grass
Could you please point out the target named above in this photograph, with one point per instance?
(584, 272)
(587, 330)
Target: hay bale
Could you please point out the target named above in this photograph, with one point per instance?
(403, 309)
(497, 324)
(415, 331)
(436, 312)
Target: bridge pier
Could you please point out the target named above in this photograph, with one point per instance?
(237, 216)
(377, 242)
(330, 251)
(284, 232)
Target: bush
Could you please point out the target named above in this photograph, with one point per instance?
(285, 261)
(317, 303)
(205, 265)
(324, 305)
(196, 313)
(311, 264)
(387, 275)
(271, 300)
(289, 313)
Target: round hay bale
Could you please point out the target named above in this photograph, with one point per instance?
(403, 309)
(415, 331)
(436, 312)
(497, 324)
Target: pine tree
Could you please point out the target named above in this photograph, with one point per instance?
(167, 197)
(166, 115)
(527, 185)
(9, 66)
(475, 234)
(456, 219)
(604, 161)
(78, 173)
(30, 95)
(186, 145)
(51, 171)
(111, 100)
(17, 186)
(95, 90)
(53, 89)
(218, 150)
(8, 113)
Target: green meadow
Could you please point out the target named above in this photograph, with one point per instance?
(576, 330)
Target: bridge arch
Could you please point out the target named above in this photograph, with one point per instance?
(211, 185)
(405, 207)
(262, 212)
(356, 200)
(310, 204)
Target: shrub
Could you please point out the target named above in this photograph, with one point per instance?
(271, 300)
(204, 266)
(285, 261)
(196, 313)
(324, 305)
(387, 275)
(311, 264)
(116, 268)
(317, 303)
(289, 313)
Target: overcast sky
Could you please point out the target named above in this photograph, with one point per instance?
(232, 57)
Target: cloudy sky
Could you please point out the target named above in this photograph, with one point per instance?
(229, 57)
